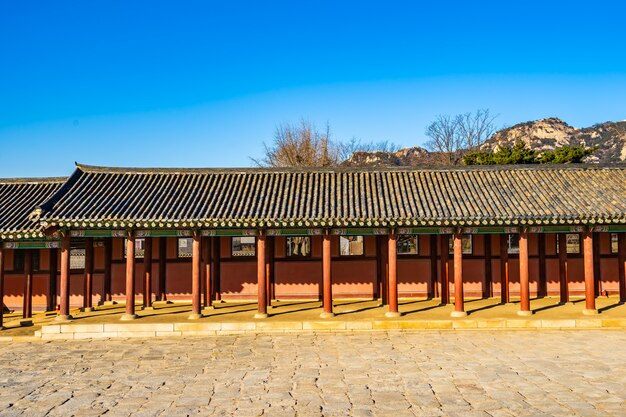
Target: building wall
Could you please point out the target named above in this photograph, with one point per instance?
(301, 278)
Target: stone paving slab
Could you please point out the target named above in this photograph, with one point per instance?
(386, 373)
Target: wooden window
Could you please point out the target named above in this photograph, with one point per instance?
(18, 260)
(243, 246)
(185, 249)
(140, 248)
(77, 258)
(408, 244)
(572, 241)
(513, 244)
(351, 246)
(468, 246)
(298, 246)
(614, 247)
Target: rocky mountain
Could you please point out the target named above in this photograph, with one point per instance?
(542, 135)
(547, 134)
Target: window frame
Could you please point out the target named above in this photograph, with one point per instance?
(139, 253)
(292, 256)
(611, 235)
(580, 244)
(510, 249)
(178, 247)
(407, 254)
(463, 237)
(245, 256)
(352, 255)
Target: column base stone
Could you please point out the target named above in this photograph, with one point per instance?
(326, 315)
(148, 308)
(87, 309)
(458, 314)
(590, 312)
(107, 303)
(128, 317)
(194, 316)
(63, 318)
(393, 314)
(260, 316)
(524, 313)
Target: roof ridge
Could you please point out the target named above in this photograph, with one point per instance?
(33, 180)
(430, 168)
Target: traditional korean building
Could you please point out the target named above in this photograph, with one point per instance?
(264, 234)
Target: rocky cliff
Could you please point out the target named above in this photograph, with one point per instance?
(541, 135)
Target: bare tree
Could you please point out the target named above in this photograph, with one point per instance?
(475, 128)
(300, 146)
(453, 136)
(347, 149)
(444, 138)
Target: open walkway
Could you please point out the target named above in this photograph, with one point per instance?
(172, 319)
(564, 373)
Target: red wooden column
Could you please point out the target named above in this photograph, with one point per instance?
(64, 289)
(590, 291)
(261, 278)
(88, 276)
(621, 258)
(162, 269)
(196, 290)
(445, 268)
(147, 273)
(206, 251)
(432, 290)
(107, 297)
(269, 255)
(523, 275)
(563, 285)
(488, 287)
(597, 272)
(327, 281)
(542, 289)
(392, 248)
(217, 269)
(1, 287)
(52, 280)
(130, 279)
(459, 308)
(505, 296)
(27, 310)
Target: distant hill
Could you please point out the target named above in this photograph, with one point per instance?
(541, 135)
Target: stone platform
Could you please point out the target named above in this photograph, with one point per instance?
(171, 320)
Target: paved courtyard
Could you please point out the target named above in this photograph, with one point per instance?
(477, 373)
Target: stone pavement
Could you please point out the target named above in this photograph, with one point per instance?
(427, 373)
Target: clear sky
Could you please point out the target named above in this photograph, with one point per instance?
(201, 83)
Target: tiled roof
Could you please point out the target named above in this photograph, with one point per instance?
(97, 197)
(18, 198)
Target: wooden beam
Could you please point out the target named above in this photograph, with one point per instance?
(147, 273)
(162, 291)
(392, 248)
(130, 279)
(432, 289)
(621, 258)
(563, 284)
(64, 290)
(52, 279)
(488, 283)
(523, 275)
(27, 310)
(327, 281)
(88, 276)
(590, 300)
(261, 278)
(107, 296)
(504, 270)
(196, 289)
(542, 284)
(459, 307)
(444, 256)
(207, 251)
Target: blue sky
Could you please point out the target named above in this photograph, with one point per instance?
(201, 83)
